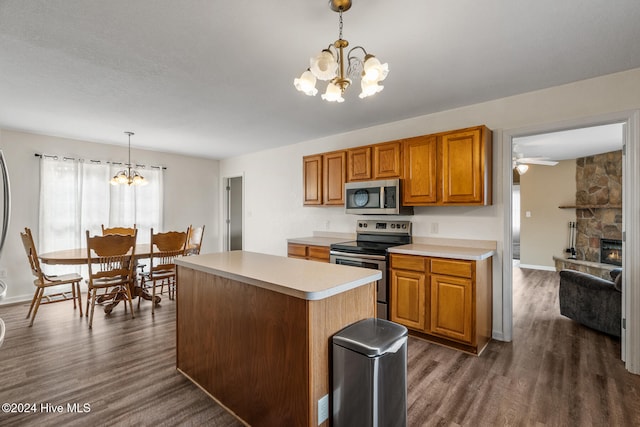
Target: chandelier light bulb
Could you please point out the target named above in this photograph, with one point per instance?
(121, 178)
(324, 66)
(369, 88)
(333, 93)
(374, 70)
(138, 179)
(306, 83)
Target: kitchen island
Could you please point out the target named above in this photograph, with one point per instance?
(253, 331)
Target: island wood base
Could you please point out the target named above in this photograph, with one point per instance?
(262, 354)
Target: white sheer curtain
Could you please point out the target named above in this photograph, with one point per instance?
(76, 196)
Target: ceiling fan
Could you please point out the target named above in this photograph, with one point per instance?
(521, 163)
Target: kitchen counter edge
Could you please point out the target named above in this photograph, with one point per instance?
(302, 279)
(440, 251)
(319, 240)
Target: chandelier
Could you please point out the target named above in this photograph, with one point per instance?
(329, 65)
(128, 176)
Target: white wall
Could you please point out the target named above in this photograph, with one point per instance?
(546, 232)
(191, 194)
(273, 178)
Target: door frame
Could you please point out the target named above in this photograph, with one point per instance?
(630, 223)
(225, 210)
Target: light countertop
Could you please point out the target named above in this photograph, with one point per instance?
(319, 240)
(303, 279)
(443, 251)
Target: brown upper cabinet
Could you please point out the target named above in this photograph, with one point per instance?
(449, 168)
(333, 177)
(387, 160)
(324, 178)
(420, 176)
(359, 164)
(312, 172)
(444, 169)
(379, 161)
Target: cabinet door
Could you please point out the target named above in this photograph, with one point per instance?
(359, 164)
(318, 253)
(387, 160)
(420, 178)
(334, 166)
(312, 173)
(296, 250)
(408, 299)
(464, 176)
(451, 308)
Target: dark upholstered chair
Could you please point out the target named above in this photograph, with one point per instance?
(591, 300)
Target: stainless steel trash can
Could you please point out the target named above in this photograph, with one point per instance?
(370, 375)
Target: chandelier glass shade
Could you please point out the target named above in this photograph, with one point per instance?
(329, 65)
(128, 176)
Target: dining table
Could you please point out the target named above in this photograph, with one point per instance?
(78, 256)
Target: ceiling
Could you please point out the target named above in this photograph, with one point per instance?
(570, 144)
(215, 78)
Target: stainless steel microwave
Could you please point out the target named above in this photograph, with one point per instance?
(382, 197)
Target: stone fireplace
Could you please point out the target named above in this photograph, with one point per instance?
(598, 203)
(598, 215)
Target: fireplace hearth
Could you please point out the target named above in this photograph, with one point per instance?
(611, 251)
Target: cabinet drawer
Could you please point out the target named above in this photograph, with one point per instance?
(407, 262)
(451, 267)
(296, 250)
(320, 253)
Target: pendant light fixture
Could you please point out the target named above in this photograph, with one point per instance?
(329, 65)
(128, 176)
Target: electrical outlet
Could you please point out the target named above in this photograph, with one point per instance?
(434, 228)
(327, 225)
(323, 409)
(3, 273)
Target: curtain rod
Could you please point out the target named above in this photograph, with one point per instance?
(52, 156)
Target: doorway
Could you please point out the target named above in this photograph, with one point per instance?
(631, 227)
(234, 214)
(554, 171)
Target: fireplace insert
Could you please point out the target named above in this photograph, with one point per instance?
(611, 251)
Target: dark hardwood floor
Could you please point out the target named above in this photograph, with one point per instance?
(554, 373)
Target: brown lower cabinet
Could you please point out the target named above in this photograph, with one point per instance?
(444, 300)
(310, 252)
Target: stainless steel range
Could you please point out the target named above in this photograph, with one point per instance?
(374, 237)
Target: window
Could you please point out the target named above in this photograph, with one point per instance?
(76, 196)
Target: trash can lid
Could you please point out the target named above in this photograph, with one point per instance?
(371, 337)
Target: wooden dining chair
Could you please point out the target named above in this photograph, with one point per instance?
(165, 248)
(128, 231)
(111, 260)
(194, 240)
(43, 281)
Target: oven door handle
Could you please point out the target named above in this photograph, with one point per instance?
(361, 256)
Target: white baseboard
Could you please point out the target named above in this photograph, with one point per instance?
(498, 336)
(537, 267)
(15, 300)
